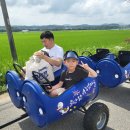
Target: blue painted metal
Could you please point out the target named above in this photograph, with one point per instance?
(111, 70)
(92, 60)
(87, 60)
(58, 72)
(43, 109)
(111, 74)
(14, 87)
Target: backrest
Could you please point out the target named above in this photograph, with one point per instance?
(101, 52)
(14, 84)
(34, 102)
(109, 72)
(86, 60)
(124, 57)
(57, 74)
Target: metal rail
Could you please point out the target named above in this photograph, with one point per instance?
(13, 121)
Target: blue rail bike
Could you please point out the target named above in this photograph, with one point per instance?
(92, 59)
(33, 97)
(114, 71)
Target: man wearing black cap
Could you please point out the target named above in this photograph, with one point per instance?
(73, 74)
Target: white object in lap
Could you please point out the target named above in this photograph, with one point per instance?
(40, 66)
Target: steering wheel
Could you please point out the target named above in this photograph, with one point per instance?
(18, 68)
(89, 53)
(47, 85)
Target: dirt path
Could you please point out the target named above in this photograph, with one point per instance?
(4, 98)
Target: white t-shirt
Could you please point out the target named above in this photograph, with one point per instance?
(55, 52)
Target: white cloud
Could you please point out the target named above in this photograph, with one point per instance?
(44, 12)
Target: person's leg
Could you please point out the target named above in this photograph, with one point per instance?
(57, 92)
(60, 91)
(53, 93)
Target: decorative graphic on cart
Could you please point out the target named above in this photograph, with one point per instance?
(61, 108)
(88, 90)
(78, 95)
(43, 72)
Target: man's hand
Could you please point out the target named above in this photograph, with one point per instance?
(39, 54)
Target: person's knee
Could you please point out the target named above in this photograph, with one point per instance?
(53, 93)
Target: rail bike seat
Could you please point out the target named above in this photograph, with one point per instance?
(14, 87)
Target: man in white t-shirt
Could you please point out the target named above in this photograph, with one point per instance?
(55, 52)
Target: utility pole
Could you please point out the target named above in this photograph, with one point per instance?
(9, 31)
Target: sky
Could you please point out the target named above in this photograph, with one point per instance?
(73, 12)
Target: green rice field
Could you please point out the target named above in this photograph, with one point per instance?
(29, 42)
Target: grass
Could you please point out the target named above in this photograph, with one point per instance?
(29, 42)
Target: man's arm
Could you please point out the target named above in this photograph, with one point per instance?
(57, 62)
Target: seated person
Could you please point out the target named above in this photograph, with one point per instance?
(73, 74)
(55, 52)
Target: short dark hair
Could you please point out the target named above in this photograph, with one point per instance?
(47, 34)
